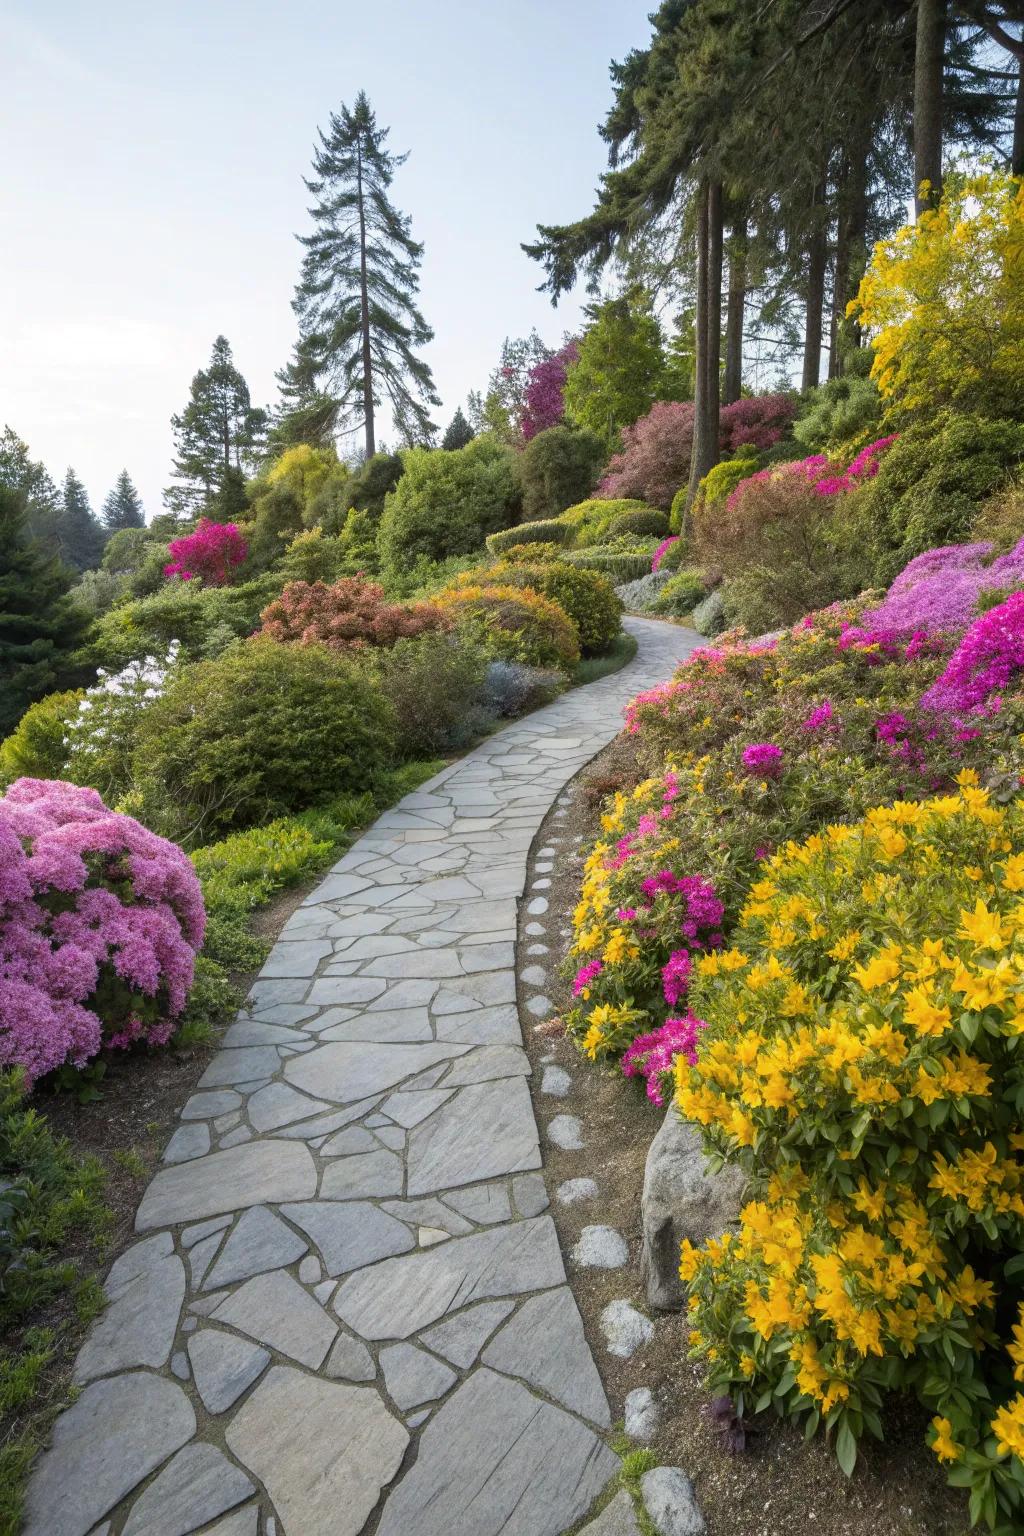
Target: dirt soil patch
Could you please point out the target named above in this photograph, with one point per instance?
(780, 1485)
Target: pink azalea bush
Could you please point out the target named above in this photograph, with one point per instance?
(989, 657)
(652, 1056)
(662, 550)
(938, 592)
(211, 553)
(757, 421)
(100, 922)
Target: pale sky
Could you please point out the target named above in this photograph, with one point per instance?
(151, 187)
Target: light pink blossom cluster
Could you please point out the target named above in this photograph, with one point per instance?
(100, 922)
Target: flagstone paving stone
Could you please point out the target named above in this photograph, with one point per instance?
(354, 1184)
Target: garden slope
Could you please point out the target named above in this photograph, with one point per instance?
(350, 1210)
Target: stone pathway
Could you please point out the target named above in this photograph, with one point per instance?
(347, 1310)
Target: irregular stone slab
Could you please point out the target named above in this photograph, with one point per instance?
(199, 1484)
(642, 1414)
(392, 1136)
(277, 1311)
(574, 1190)
(278, 1104)
(192, 1235)
(350, 1234)
(322, 1125)
(404, 1024)
(429, 1213)
(206, 1106)
(224, 1366)
(600, 1248)
(533, 975)
(235, 1138)
(487, 1063)
(671, 1502)
(545, 1344)
(484, 1026)
(244, 1522)
(625, 1329)
(258, 1173)
(107, 1442)
(617, 1519)
(347, 1070)
(403, 1295)
(146, 1287)
(350, 1359)
(201, 1257)
(296, 957)
(409, 1108)
(487, 1204)
(372, 1174)
(189, 1140)
(413, 1377)
(323, 1451)
(530, 1194)
(681, 1199)
(565, 1132)
(346, 989)
(418, 964)
(540, 1006)
(260, 1241)
(461, 1339)
(487, 1130)
(487, 1466)
(354, 1138)
(241, 1066)
(259, 1032)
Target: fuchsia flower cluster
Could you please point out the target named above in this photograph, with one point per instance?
(763, 759)
(100, 922)
(211, 553)
(938, 592)
(544, 402)
(652, 1056)
(824, 478)
(662, 550)
(986, 661)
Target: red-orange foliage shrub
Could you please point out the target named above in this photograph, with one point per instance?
(350, 615)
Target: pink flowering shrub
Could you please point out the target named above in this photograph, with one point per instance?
(987, 660)
(544, 401)
(211, 553)
(937, 593)
(763, 759)
(652, 1056)
(662, 550)
(760, 421)
(100, 922)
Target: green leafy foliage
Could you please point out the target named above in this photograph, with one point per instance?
(263, 730)
(36, 748)
(585, 595)
(644, 522)
(545, 531)
(556, 469)
(446, 503)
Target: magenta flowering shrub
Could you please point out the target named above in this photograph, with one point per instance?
(655, 457)
(544, 400)
(662, 550)
(763, 759)
(652, 1056)
(211, 553)
(987, 660)
(757, 421)
(100, 922)
(937, 593)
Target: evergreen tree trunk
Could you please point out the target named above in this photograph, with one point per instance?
(817, 264)
(364, 312)
(841, 275)
(733, 382)
(1017, 153)
(704, 454)
(929, 56)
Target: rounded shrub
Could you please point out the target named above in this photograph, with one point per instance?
(616, 563)
(514, 624)
(586, 596)
(645, 522)
(719, 483)
(446, 503)
(263, 730)
(546, 531)
(556, 468)
(100, 921)
(433, 686)
(681, 594)
(590, 520)
(350, 615)
(37, 748)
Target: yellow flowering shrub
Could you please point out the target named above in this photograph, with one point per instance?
(513, 624)
(862, 1061)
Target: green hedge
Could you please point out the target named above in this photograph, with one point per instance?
(544, 531)
(619, 565)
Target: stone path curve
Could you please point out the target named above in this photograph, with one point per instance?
(346, 1310)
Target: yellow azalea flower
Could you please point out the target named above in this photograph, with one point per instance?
(1008, 1428)
(593, 1040)
(971, 1292)
(748, 1365)
(844, 947)
(879, 971)
(943, 1444)
(927, 1017)
(982, 927)
(966, 777)
(1013, 878)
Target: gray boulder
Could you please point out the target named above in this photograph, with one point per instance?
(671, 1503)
(680, 1199)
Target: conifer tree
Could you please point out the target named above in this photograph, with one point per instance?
(220, 429)
(459, 432)
(38, 624)
(123, 507)
(356, 299)
(80, 538)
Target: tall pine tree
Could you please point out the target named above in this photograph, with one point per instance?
(38, 624)
(219, 430)
(80, 538)
(359, 323)
(459, 432)
(123, 507)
